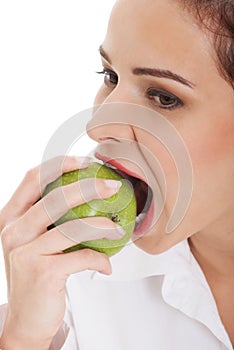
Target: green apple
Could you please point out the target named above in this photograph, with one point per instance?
(120, 208)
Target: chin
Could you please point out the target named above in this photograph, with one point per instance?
(156, 241)
(153, 249)
(152, 243)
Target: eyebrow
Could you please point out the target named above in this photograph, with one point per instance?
(154, 72)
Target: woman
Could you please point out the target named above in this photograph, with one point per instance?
(173, 57)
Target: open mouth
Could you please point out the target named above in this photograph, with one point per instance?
(144, 198)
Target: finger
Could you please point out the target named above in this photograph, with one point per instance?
(74, 232)
(85, 259)
(56, 203)
(55, 167)
(35, 180)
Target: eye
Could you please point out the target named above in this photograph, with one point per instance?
(110, 77)
(164, 99)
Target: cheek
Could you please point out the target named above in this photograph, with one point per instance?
(211, 151)
(162, 164)
(209, 132)
(212, 148)
(212, 154)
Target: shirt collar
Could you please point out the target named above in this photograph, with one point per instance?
(132, 263)
(184, 287)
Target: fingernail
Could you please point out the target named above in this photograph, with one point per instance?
(117, 235)
(120, 230)
(84, 161)
(106, 272)
(113, 184)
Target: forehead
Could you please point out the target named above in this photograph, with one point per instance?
(158, 32)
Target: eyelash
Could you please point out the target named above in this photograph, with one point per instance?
(151, 92)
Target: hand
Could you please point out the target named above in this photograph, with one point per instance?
(36, 268)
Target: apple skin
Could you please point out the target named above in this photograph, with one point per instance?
(120, 208)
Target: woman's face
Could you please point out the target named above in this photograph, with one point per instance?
(185, 87)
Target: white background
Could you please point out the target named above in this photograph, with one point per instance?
(49, 55)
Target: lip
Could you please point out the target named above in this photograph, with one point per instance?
(119, 166)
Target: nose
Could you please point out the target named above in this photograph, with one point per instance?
(106, 123)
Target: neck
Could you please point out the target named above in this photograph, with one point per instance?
(214, 253)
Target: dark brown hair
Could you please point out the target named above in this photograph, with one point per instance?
(218, 17)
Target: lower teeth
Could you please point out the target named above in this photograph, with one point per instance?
(139, 220)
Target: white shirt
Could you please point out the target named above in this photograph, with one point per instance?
(152, 302)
